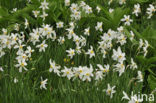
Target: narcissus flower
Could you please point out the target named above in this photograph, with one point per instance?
(150, 11)
(43, 83)
(137, 9)
(53, 67)
(59, 24)
(42, 46)
(122, 2)
(36, 13)
(140, 76)
(99, 26)
(21, 65)
(91, 52)
(118, 55)
(71, 52)
(110, 90)
(127, 20)
(44, 5)
(67, 72)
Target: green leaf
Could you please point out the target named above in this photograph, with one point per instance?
(152, 82)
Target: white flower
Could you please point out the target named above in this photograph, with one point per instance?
(5, 31)
(1, 69)
(22, 56)
(26, 23)
(44, 15)
(121, 39)
(88, 9)
(120, 67)
(110, 90)
(59, 24)
(67, 72)
(88, 73)
(111, 10)
(44, 5)
(98, 75)
(54, 67)
(46, 28)
(72, 25)
(15, 80)
(19, 46)
(136, 9)
(50, 33)
(82, 4)
(14, 10)
(21, 65)
(34, 36)
(125, 96)
(99, 26)
(70, 33)
(74, 7)
(17, 26)
(71, 52)
(104, 69)
(91, 52)
(76, 15)
(120, 29)
(140, 76)
(110, 1)
(42, 46)
(127, 20)
(14, 38)
(118, 55)
(87, 31)
(133, 65)
(79, 71)
(2, 53)
(122, 2)
(141, 43)
(146, 45)
(98, 9)
(43, 83)
(132, 35)
(29, 51)
(67, 2)
(61, 40)
(78, 49)
(82, 41)
(150, 11)
(36, 13)
(76, 40)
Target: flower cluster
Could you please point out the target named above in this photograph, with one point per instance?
(110, 46)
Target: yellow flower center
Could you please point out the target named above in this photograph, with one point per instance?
(20, 46)
(120, 56)
(80, 71)
(104, 70)
(91, 51)
(67, 72)
(45, 29)
(42, 45)
(72, 52)
(51, 66)
(127, 20)
(87, 74)
(136, 102)
(22, 64)
(109, 91)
